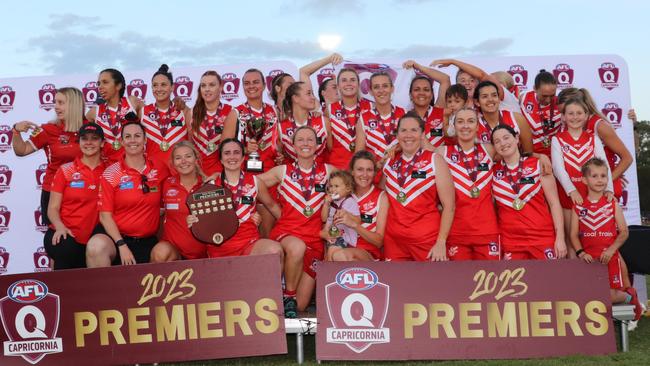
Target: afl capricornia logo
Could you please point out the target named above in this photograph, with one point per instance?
(564, 75)
(5, 178)
(324, 74)
(608, 73)
(357, 304)
(183, 88)
(519, 76)
(137, 88)
(5, 138)
(7, 97)
(4, 260)
(614, 114)
(269, 78)
(30, 318)
(46, 96)
(230, 86)
(90, 92)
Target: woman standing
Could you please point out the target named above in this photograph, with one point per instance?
(73, 202)
(58, 138)
(540, 108)
(327, 89)
(416, 181)
(528, 207)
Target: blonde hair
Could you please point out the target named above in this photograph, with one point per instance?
(197, 156)
(74, 113)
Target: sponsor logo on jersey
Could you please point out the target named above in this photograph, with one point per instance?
(519, 76)
(137, 88)
(30, 317)
(4, 260)
(614, 114)
(90, 92)
(46, 96)
(39, 173)
(230, 86)
(608, 74)
(41, 260)
(183, 88)
(357, 304)
(5, 218)
(7, 97)
(5, 178)
(564, 75)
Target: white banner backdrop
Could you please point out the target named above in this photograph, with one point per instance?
(32, 98)
(21, 229)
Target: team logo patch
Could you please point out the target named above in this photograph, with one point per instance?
(46, 96)
(7, 97)
(172, 193)
(548, 253)
(357, 304)
(519, 76)
(30, 317)
(137, 88)
(608, 74)
(5, 178)
(230, 86)
(90, 92)
(493, 249)
(183, 88)
(614, 114)
(498, 174)
(564, 75)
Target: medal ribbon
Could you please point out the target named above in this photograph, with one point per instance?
(472, 171)
(163, 121)
(237, 190)
(408, 168)
(547, 124)
(388, 135)
(514, 183)
(351, 127)
(306, 189)
(211, 122)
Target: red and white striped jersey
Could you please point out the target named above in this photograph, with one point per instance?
(111, 121)
(434, 122)
(473, 216)
(597, 225)
(163, 129)
(343, 121)
(289, 126)
(592, 128)
(302, 195)
(544, 121)
(369, 205)
(413, 212)
(575, 153)
(208, 138)
(484, 133)
(244, 194)
(381, 131)
(533, 224)
(247, 113)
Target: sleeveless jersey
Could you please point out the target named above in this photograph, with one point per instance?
(612, 158)
(245, 195)
(380, 130)
(163, 130)
(474, 217)
(111, 121)
(413, 213)
(544, 121)
(575, 153)
(484, 133)
(343, 122)
(289, 126)
(434, 122)
(369, 205)
(266, 148)
(208, 137)
(597, 225)
(533, 224)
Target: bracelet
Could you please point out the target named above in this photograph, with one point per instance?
(579, 251)
(119, 243)
(14, 130)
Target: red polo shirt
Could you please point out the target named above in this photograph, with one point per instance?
(175, 228)
(60, 147)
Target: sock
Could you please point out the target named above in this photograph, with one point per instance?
(289, 293)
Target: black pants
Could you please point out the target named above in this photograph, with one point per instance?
(140, 247)
(67, 254)
(45, 202)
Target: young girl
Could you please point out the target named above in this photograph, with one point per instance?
(340, 198)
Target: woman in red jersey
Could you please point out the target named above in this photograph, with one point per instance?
(298, 103)
(209, 117)
(416, 181)
(301, 187)
(540, 108)
(129, 205)
(528, 207)
(431, 110)
(73, 202)
(58, 138)
(619, 157)
(373, 206)
(279, 86)
(327, 89)
(164, 123)
(113, 111)
(474, 233)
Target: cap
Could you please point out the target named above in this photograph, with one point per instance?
(93, 128)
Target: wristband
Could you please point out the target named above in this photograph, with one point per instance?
(120, 242)
(579, 251)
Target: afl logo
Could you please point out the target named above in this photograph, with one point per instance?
(27, 291)
(183, 87)
(519, 75)
(564, 75)
(608, 74)
(46, 96)
(230, 86)
(358, 279)
(7, 97)
(269, 78)
(90, 92)
(614, 114)
(137, 88)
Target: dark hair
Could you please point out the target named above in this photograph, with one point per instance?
(199, 110)
(503, 126)
(381, 73)
(461, 71)
(255, 71)
(277, 81)
(227, 141)
(362, 155)
(118, 78)
(544, 77)
(164, 71)
(414, 115)
(321, 89)
(131, 123)
(457, 90)
(597, 162)
(484, 84)
(422, 77)
(287, 103)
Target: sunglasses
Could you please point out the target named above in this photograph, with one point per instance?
(145, 187)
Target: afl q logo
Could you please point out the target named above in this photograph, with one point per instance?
(519, 76)
(324, 74)
(564, 75)
(90, 92)
(5, 138)
(7, 97)
(4, 260)
(5, 178)
(357, 304)
(230, 86)
(614, 114)
(608, 74)
(46, 97)
(30, 317)
(5, 218)
(269, 78)
(183, 88)
(40, 175)
(137, 88)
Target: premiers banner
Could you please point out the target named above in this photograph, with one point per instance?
(186, 310)
(506, 309)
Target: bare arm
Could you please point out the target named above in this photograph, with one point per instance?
(272, 177)
(610, 139)
(20, 146)
(473, 70)
(307, 70)
(265, 198)
(230, 125)
(446, 194)
(525, 135)
(438, 76)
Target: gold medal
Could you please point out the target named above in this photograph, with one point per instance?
(116, 145)
(401, 197)
(334, 231)
(352, 146)
(212, 147)
(518, 204)
(308, 211)
(261, 145)
(546, 142)
(164, 146)
(474, 192)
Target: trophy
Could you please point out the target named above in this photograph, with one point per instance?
(216, 210)
(255, 128)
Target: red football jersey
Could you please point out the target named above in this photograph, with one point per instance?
(343, 121)
(111, 121)
(434, 122)
(163, 129)
(484, 133)
(60, 147)
(381, 131)
(266, 144)
(208, 138)
(575, 153)
(612, 158)
(289, 126)
(597, 225)
(544, 121)
(369, 205)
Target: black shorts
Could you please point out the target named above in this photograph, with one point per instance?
(67, 254)
(140, 247)
(45, 202)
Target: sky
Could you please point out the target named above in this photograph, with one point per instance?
(66, 37)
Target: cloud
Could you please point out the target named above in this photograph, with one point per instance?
(489, 47)
(324, 7)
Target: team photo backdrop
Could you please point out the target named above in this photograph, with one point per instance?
(32, 98)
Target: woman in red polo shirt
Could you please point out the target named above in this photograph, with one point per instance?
(58, 138)
(73, 202)
(129, 205)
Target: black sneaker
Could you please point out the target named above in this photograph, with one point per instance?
(290, 307)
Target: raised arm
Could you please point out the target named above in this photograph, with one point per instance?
(476, 72)
(439, 76)
(307, 70)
